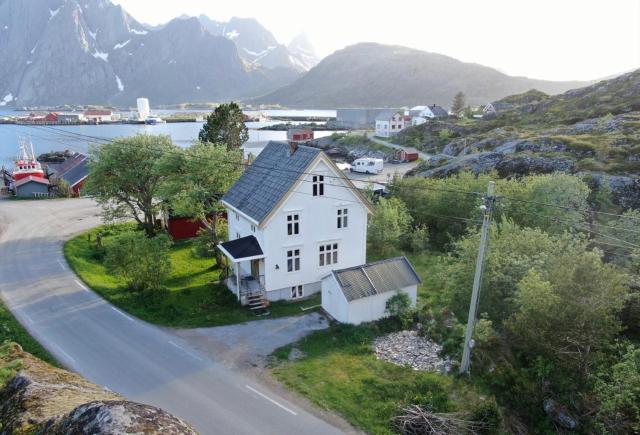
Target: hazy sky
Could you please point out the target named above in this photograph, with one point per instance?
(549, 39)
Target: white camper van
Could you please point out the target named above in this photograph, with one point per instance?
(367, 165)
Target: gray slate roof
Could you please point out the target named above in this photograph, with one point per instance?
(438, 111)
(76, 174)
(386, 115)
(375, 278)
(269, 178)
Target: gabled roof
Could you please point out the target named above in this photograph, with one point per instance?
(77, 173)
(376, 278)
(241, 249)
(269, 179)
(438, 111)
(30, 179)
(386, 115)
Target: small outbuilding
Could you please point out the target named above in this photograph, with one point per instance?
(360, 294)
(32, 187)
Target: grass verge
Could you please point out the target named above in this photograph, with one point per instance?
(339, 371)
(193, 296)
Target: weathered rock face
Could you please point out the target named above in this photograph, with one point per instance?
(116, 417)
(43, 399)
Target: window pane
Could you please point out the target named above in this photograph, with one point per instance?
(297, 264)
(315, 190)
(321, 189)
(321, 248)
(335, 257)
(346, 220)
(289, 218)
(339, 222)
(289, 265)
(321, 259)
(296, 228)
(335, 246)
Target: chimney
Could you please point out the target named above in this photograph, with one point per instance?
(293, 147)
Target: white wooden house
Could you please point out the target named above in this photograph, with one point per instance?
(421, 114)
(390, 123)
(293, 217)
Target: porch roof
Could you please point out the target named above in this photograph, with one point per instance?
(242, 249)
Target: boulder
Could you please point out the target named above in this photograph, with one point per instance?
(43, 399)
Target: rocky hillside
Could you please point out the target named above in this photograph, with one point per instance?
(93, 52)
(374, 75)
(42, 399)
(592, 131)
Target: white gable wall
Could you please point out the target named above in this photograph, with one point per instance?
(373, 307)
(333, 300)
(318, 225)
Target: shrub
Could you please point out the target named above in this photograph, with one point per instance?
(141, 261)
(399, 308)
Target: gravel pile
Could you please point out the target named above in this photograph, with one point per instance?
(407, 348)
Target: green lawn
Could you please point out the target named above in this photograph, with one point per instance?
(11, 331)
(340, 372)
(192, 298)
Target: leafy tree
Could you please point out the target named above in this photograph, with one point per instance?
(125, 176)
(618, 391)
(225, 126)
(513, 252)
(458, 103)
(567, 311)
(198, 177)
(141, 261)
(389, 224)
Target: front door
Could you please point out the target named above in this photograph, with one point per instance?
(255, 269)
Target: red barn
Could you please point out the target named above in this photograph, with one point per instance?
(51, 117)
(407, 156)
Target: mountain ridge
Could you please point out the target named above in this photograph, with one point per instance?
(380, 75)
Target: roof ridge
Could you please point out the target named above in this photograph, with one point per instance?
(369, 279)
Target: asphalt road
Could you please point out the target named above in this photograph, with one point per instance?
(110, 348)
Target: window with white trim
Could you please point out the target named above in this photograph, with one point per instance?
(293, 224)
(293, 260)
(328, 254)
(297, 291)
(318, 185)
(343, 217)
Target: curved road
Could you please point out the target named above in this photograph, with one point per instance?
(110, 348)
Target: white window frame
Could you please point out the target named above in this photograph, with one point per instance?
(342, 218)
(293, 224)
(328, 254)
(297, 291)
(294, 255)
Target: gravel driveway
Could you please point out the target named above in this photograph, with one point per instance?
(247, 345)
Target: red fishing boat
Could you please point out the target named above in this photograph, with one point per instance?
(26, 164)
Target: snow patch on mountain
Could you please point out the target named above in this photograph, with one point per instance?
(138, 32)
(232, 35)
(7, 99)
(92, 34)
(53, 13)
(101, 55)
(121, 45)
(119, 83)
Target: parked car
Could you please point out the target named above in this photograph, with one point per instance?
(367, 165)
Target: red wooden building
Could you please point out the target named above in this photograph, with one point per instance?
(407, 156)
(299, 134)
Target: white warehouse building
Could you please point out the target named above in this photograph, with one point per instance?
(144, 110)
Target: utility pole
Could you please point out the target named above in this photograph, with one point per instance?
(477, 279)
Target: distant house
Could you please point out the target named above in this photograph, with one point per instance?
(390, 123)
(31, 187)
(293, 217)
(71, 118)
(299, 134)
(51, 117)
(421, 114)
(489, 110)
(360, 294)
(99, 115)
(74, 171)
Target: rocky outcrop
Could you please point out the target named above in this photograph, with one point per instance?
(42, 399)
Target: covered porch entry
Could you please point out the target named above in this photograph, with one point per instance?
(245, 263)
